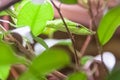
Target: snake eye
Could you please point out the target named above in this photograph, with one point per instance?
(78, 26)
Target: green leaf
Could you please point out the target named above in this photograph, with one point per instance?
(19, 5)
(3, 13)
(35, 16)
(84, 59)
(1, 36)
(7, 55)
(47, 62)
(69, 1)
(30, 76)
(41, 41)
(115, 75)
(73, 27)
(108, 25)
(77, 76)
(4, 72)
(49, 32)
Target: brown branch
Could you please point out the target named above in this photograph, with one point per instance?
(14, 73)
(6, 25)
(70, 35)
(84, 47)
(7, 3)
(91, 13)
(93, 17)
(93, 24)
(28, 53)
(59, 75)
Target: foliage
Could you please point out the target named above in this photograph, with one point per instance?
(46, 62)
(4, 71)
(7, 55)
(77, 76)
(3, 13)
(7, 58)
(109, 23)
(85, 59)
(39, 17)
(69, 1)
(115, 75)
(41, 41)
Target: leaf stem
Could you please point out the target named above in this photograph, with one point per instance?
(93, 24)
(70, 35)
(59, 75)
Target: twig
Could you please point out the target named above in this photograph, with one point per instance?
(14, 73)
(59, 75)
(70, 35)
(88, 39)
(93, 24)
(9, 37)
(85, 45)
(93, 17)
(27, 53)
(6, 21)
(2, 28)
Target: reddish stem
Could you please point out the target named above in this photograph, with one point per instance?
(14, 73)
(6, 25)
